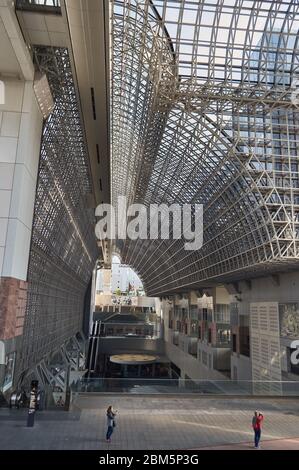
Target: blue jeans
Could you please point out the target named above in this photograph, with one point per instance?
(109, 432)
(257, 437)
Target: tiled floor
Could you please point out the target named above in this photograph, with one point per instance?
(153, 423)
(275, 444)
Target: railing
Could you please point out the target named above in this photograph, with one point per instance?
(222, 317)
(142, 329)
(180, 386)
(53, 6)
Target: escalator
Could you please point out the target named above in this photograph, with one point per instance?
(93, 347)
(3, 402)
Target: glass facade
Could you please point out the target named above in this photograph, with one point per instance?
(203, 112)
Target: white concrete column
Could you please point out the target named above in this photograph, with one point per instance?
(20, 137)
(107, 281)
(93, 299)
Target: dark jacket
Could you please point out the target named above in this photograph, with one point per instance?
(110, 419)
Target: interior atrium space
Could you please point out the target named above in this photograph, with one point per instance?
(149, 225)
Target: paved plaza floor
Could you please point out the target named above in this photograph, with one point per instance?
(155, 423)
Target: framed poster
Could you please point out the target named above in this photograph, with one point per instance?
(289, 320)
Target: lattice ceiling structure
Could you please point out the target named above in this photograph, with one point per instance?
(202, 111)
(63, 250)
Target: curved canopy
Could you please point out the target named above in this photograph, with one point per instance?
(204, 111)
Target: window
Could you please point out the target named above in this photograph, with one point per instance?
(199, 355)
(244, 341)
(193, 312)
(223, 336)
(194, 327)
(234, 343)
(204, 358)
(222, 313)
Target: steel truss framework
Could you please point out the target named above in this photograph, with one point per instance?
(63, 250)
(202, 111)
(53, 371)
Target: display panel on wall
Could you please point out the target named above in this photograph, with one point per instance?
(289, 320)
(9, 371)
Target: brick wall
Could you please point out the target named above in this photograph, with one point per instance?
(13, 298)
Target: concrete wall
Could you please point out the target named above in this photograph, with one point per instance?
(282, 288)
(104, 299)
(21, 122)
(164, 306)
(260, 299)
(179, 355)
(190, 365)
(193, 298)
(205, 302)
(243, 367)
(20, 138)
(144, 302)
(217, 358)
(220, 295)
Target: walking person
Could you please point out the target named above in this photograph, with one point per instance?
(110, 422)
(257, 427)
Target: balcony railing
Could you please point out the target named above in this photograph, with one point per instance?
(222, 317)
(175, 386)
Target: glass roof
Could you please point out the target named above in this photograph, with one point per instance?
(202, 111)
